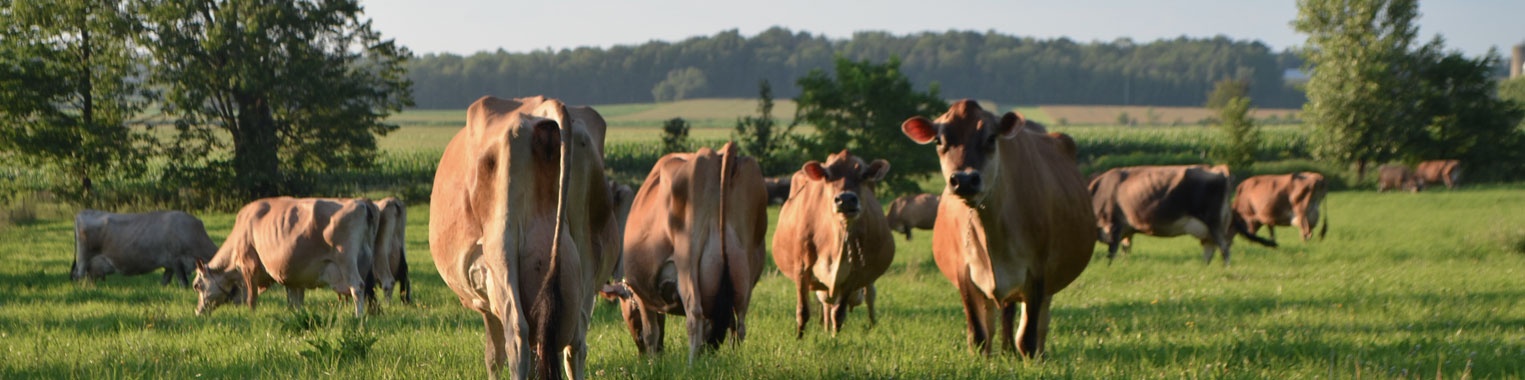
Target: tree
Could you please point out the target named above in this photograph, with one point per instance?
(1241, 137)
(757, 137)
(70, 90)
(1361, 90)
(1466, 116)
(680, 84)
(675, 136)
(861, 108)
(298, 86)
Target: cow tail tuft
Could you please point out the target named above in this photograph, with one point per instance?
(404, 286)
(549, 304)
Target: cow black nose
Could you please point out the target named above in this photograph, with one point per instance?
(965, 184)
(847, 202)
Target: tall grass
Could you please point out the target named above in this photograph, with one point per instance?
(1405, 286)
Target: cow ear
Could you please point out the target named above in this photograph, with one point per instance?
(814, 170)
(201, 265)
(1011, 123)
(876, 170)
(919, 129)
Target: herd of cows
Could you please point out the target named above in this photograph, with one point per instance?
(526, 231)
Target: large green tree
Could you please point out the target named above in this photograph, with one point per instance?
(299, 87)
(860, 108)
(69, 90)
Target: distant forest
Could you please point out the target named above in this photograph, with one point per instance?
(991, 66)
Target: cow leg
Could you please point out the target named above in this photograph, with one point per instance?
(802, 303)
(1035, 318)
(1208, 247)
(977, 310)
(295, 296)
(494, 342)
(869, 293)
(838, 315)
(1270, 228)
(169, 272)
(1008, 339)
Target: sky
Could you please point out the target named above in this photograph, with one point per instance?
(468, 26)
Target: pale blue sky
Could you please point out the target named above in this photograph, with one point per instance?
(467, 26)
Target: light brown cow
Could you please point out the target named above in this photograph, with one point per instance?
(300, 243)
(134, 244)
(390, 265)
(1440, 171)
(908, 211)
(1391, 177)
(522, 229)
(1168, 201)
(1014, 226)
(832, 239)
(695, 249)
(1282, 200)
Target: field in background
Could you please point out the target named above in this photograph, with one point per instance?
(1145, 115)
(1405, 286)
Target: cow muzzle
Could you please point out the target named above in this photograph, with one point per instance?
(966, 184)
(847, 204)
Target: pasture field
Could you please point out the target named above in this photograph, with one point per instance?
(1406, 286)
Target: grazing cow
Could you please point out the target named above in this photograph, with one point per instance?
(1440, 171)
(391, 260)
(832, 239)
(918, 211)
(1282, 200)
(696, 248)
(778, 189)
(1391, 177)
(1167, 201)
(300, 243)
(522, 228)
(1014, 226)
(134, 244)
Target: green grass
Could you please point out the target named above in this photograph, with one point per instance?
(1406, 286)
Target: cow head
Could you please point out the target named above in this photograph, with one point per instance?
(967, 139)
(846, 178)
(215, 287)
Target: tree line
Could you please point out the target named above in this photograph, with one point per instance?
(965, 64)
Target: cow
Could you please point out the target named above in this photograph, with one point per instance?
(908, 211)
(832, 238)
(300, 243)
(1440, 171)
(778, 189)
(1391, 177)
(390, 264)
(522, 227)
(1014, 225)
(134, 244)
(695, 248)
(1282, 200)
(1167, 201)
(622, 197)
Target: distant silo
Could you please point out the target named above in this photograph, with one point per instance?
(1517, 63)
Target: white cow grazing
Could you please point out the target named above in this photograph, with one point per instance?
(134, 244)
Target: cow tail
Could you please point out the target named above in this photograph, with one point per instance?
(722, 315)
(404, 287)
(1324, 214)
(372, 219)
(549, 306)
(1242, 228)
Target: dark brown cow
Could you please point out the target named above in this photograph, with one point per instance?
(1167, 201)
(1282, 200)
(913, 211)
(522, 229)
(1440, 171)
(300, 243)
(134, 244)
(778, 189)
(1391, 177)
(695, 248)
(1014, 225)
(832, 239)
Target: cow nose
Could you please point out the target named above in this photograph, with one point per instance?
(965, 184)
(847, 202)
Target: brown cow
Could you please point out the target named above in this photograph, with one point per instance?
(1282, 200)
(134, 244)
(778, 189)
(832, 239)
(918, 211)
(522, 229)
(1168, 201)
(1014, 227)
(391, 260)
(1440, 171)
(696, 248)
(300, 243)
(1390, 177)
